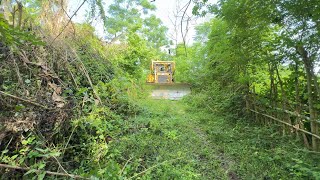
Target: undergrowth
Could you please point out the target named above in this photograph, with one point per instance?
(62, 101)
(255, 152)
(162, 143)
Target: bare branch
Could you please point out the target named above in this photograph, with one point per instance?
(184, 36)
(39, 171)
(68, 22)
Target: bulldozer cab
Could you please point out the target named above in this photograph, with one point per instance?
(161, 72)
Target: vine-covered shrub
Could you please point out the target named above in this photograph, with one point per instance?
(60, 99)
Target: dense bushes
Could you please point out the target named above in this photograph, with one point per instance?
(250, 60)
(63, 100)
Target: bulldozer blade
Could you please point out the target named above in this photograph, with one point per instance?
(172, 91)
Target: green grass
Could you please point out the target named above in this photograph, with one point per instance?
(259, 152)
(172, 140)
(166, 142)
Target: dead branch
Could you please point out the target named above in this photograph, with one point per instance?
(46, 71)
(74, 29)
(88, 77)
(61, 166)
(125, 166)
(184, 36)
(68, 69)
(47, 172)
(285, 123)
(152, 167)
(68, 22)
(25, 100)
(18, 72)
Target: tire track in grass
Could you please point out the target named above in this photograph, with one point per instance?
(216, 155)
(172, 131)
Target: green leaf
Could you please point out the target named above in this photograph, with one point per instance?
(19, 107)
(30, 171)
(41, 176)
(42, 150)
(24, 142)
(41, 165)
(14, 157)
(55, 154)
(101, 137)
(33, 154)
(27, 81)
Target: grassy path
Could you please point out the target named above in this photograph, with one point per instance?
(166, 142)
(171, 140)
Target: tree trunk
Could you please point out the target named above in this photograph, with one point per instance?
(13, 13)
(311, 94)
(20, 10)
(255, 105)
(272, 88)
(298, 106)
(284, 100)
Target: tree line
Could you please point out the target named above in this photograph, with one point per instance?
(265, 55)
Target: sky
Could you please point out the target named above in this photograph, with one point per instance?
(165, 11)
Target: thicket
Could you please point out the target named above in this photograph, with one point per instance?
(259, 60)
(65, 93)
(255, 63)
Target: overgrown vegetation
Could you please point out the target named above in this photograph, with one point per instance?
(75, 106)
(64, 93)
(264, 56)
(251, 152)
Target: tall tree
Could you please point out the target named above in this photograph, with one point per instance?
(271, 34)
(123, 17)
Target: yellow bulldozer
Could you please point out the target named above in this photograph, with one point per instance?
(161, 72)
(161, 79)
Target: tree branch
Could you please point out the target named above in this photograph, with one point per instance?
(25, 100)
(47, 172)
(68, 22)
(183, 36)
